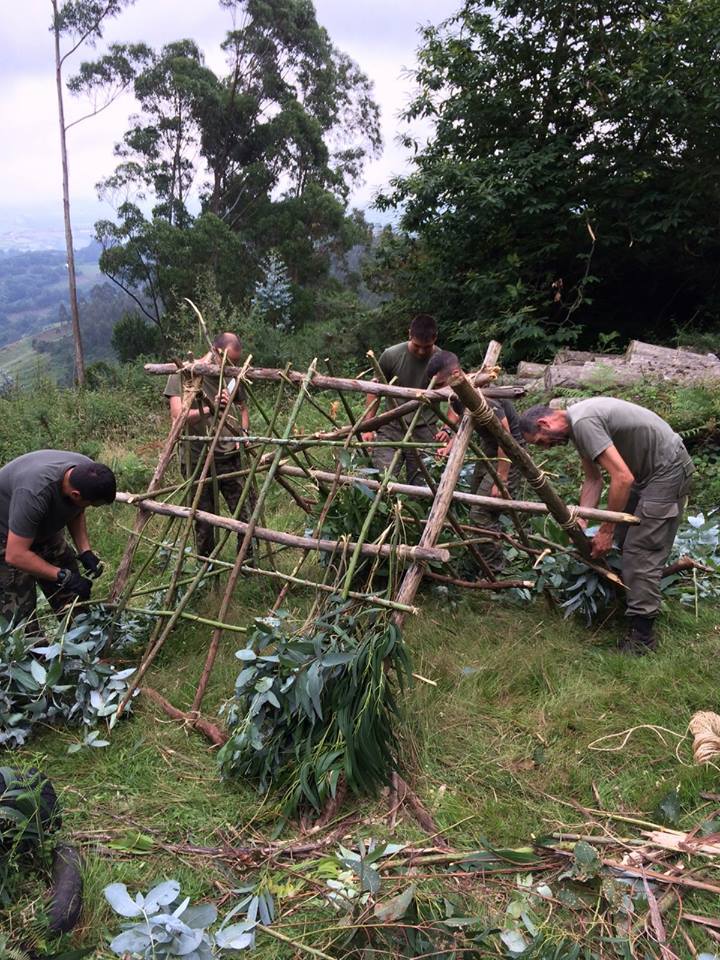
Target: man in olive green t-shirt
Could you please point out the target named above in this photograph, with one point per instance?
(404, 364)
(42, 494)
(228, 457)
(649, 470)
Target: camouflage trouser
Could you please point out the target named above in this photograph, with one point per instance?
(647, 545)
(18, 595)
(491, 549)
(382, 456)
(231, 489)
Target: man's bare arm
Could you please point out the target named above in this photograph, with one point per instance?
(621, 481)
(193, 416)
(18, 554)
(77, 527)
(591, 489)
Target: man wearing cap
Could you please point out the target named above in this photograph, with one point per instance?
(41, 494)
(649, 470)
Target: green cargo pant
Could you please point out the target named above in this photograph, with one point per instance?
(18, 589)
(482, 482)
(382, 456)
(231, 489)
(647, 545)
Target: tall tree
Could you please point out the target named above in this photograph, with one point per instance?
(571, 183)
(80, 22)
(270, 150)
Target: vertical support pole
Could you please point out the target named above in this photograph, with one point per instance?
(443, 498)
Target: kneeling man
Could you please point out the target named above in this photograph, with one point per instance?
(42, 493)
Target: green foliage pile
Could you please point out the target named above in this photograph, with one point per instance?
(64, 681)
(314, 706)
(569, 184)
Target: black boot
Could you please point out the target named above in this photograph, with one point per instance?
(640, 638)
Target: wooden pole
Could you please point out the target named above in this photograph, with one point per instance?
(477, 406)
(321, 382)
(425, 493)
(403, 551)
(443, 498)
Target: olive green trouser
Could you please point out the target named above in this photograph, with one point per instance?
(382, 456)
(231, 489)
(18, 589)
(646, 546)
(482, 483)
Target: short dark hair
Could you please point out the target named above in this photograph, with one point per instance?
(439, 362)
(423, 327)
(94, 482)
(225, 340)
(529, 419)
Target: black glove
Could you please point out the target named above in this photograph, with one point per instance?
(71, 581)
(92, 564)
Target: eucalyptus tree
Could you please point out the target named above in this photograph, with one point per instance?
(79, 23)
(267, 150)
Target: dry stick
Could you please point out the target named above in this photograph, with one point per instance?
(481, 412)
(481, 584)
(142, 518)
(250, 527)
(289, 539)
(425, 493)
(214, 734)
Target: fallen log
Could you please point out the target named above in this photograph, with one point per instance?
(603, 375)
(402, 551)
(530, 371)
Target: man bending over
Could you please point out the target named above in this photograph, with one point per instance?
(649, 470)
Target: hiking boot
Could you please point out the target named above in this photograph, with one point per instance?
(640, 638)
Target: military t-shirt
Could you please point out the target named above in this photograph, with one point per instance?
(201, 427)
(409, 371)
(644, 440)
(31, 499)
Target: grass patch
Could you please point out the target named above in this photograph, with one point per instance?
(501, 749)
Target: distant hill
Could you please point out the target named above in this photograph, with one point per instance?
(33, 287)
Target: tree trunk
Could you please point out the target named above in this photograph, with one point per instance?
(72, 286)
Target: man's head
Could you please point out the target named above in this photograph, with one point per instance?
(90, 485)
(441, 366)
(230, 344)
(422, 335)
(544, 426)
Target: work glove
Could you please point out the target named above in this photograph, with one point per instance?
(74, 583)
(92, 564)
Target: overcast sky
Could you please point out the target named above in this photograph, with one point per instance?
(381, 35)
